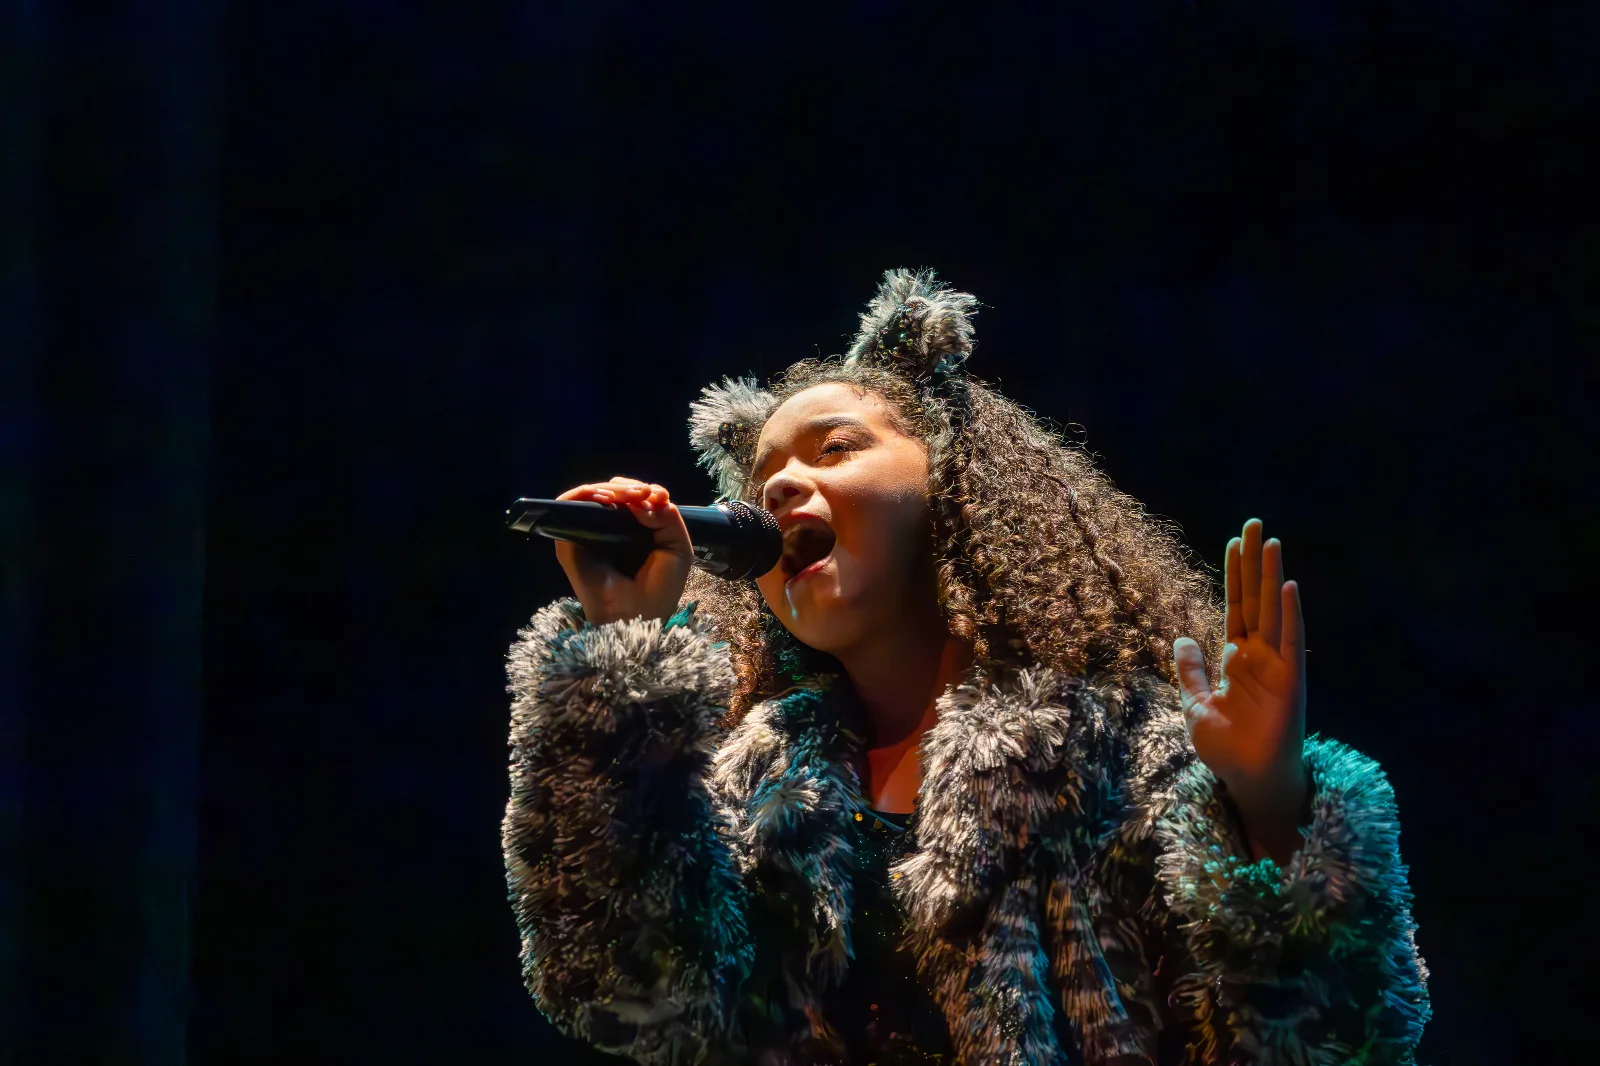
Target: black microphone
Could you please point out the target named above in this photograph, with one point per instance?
(731, 539)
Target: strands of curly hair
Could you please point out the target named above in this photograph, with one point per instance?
(1040, 559)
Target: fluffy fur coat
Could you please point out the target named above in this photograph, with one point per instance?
(1081, 891)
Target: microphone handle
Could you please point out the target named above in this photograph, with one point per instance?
(609, 530)
(731, 539)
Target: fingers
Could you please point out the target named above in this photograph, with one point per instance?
(1235, 586)
(1253, 573)
(1272, 592)
(1293, 646)
(1225, 667)
(650, 504)
(586, 492)
(1191, 664)
(1250, 575)
(620, 490)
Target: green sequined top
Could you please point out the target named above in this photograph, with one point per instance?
(884, 1015)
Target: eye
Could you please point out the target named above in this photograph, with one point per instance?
(834, 446)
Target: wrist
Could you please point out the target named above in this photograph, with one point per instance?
(1269, 789)
(669, 616)
(1272, 807)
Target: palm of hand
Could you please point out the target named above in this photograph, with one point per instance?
(1251, 728)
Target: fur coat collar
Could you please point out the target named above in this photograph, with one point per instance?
(1018, 794)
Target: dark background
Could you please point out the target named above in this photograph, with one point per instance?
(298, 296)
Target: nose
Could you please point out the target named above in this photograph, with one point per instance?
(783, 490)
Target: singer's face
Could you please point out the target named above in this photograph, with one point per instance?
(831, 461)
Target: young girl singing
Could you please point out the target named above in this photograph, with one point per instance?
(980, 773)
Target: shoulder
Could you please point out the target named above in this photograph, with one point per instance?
(1042, 717)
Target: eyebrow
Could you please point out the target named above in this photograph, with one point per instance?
(815, 424)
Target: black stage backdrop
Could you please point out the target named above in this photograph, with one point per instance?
(298, 296)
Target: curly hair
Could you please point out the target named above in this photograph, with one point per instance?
(1040, 560)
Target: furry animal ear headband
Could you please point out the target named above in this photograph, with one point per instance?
(914, 326)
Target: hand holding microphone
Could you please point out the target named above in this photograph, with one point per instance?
(636, 565)
(608, 594)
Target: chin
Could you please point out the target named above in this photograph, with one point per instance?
(825, 616)
(822, 634)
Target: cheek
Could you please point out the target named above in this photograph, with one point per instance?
(890, 528)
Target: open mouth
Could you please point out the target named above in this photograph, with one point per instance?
(804, 546)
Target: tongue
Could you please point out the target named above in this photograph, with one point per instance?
(806, 547)
(796, 563)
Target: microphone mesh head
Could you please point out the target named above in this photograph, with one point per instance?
(760, 545)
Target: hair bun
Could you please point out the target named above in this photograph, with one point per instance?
(917, 325)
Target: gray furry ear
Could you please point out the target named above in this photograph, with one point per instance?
(916, 324)
(723, 427)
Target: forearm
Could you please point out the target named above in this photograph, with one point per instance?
(1320, 949)
(625, 892)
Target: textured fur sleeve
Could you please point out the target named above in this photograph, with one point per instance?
(1312, 963)
(625, 890)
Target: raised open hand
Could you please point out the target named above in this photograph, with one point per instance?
(1251, 729)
